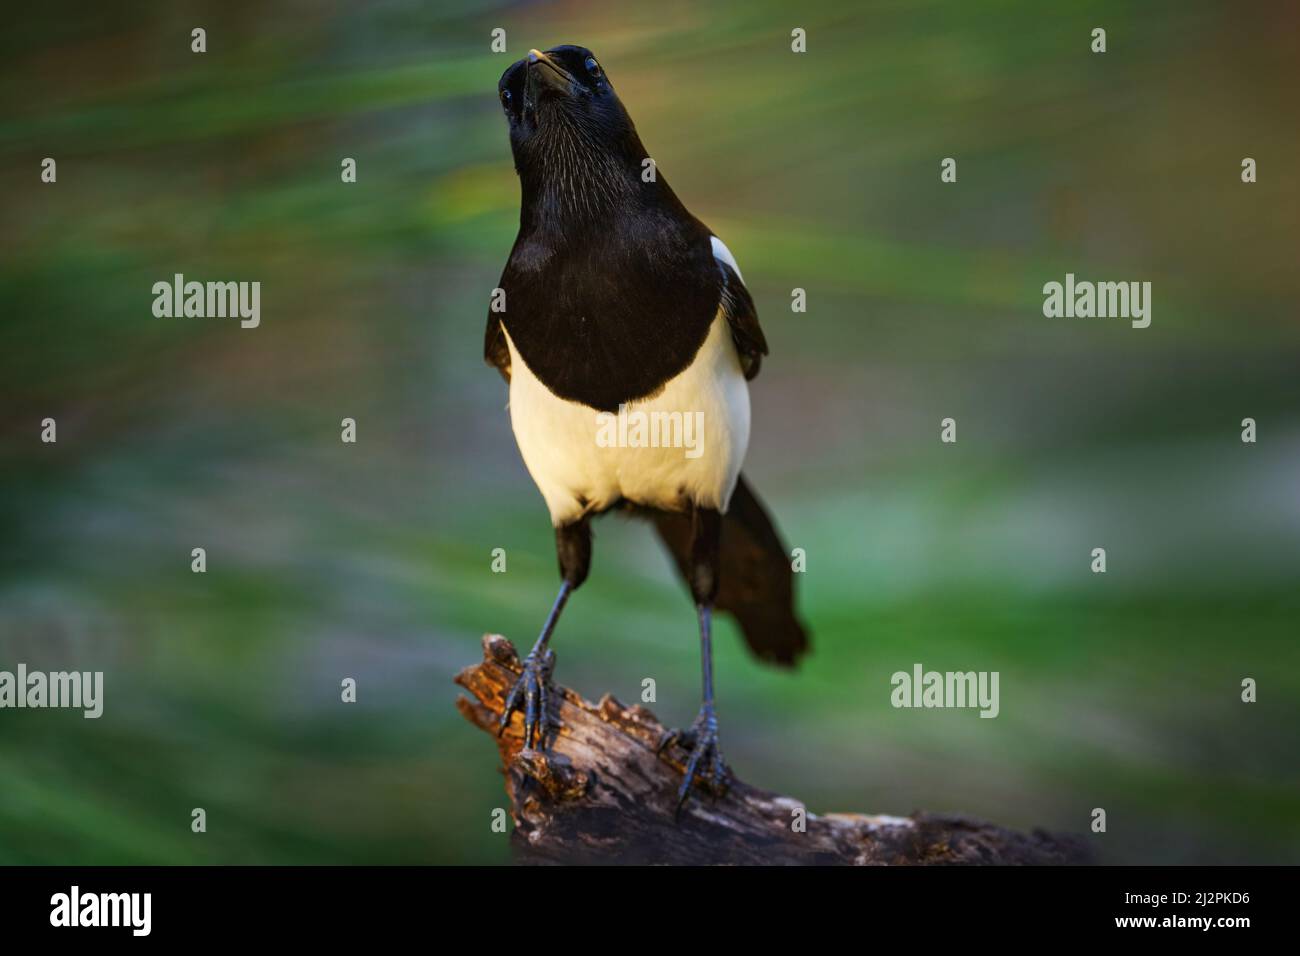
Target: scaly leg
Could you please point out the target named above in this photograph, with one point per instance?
(702, 738)
(573, 548)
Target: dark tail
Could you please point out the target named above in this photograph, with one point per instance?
(757, 584)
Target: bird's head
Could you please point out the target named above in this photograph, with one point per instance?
(566, 122)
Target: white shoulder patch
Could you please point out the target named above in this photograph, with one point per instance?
(720, 251)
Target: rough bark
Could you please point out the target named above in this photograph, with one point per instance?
(602, 793)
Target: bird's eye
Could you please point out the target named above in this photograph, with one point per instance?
(592, 66)
(505, 98)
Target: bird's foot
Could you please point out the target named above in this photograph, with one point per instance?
(533, 691)
(702, 742)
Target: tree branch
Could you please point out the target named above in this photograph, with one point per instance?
(602, 794)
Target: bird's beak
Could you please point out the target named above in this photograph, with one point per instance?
(545, 74)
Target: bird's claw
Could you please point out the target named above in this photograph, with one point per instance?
(701, 739)
(534, 687)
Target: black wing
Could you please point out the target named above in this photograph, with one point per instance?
(495, 350)
(738, 307)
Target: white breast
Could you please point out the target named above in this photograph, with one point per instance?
(584, 461)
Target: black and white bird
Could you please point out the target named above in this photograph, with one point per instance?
(617, 298)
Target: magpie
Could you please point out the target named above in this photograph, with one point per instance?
(617, 299)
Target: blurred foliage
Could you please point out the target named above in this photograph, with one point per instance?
(820, 171)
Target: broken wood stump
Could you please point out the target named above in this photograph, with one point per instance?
(603, 793)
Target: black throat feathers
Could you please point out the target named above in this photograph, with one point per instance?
(612, 284)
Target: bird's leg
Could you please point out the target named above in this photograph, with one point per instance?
(533, 687)
(702, 738)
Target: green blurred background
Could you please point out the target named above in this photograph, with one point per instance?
(820, 171)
